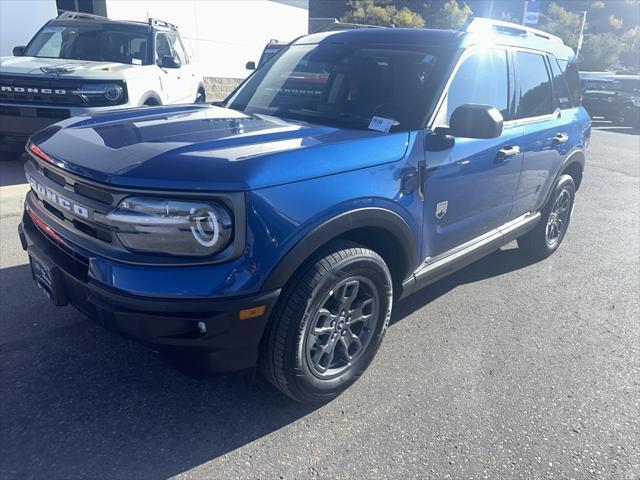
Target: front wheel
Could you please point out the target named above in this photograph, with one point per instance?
(548, 234)
(329, 324)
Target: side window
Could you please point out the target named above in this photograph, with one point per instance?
(535, 94)
(178, 50)
(560, 87)
(570, 72)
(481, 79)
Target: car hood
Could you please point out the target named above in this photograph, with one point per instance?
(48, 67)
(191, 147)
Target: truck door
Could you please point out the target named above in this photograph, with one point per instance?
(547, 129)
(175, 85)
(470, 185)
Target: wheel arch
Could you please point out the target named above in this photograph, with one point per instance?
(150, 96)
(574, 166)
(376, 228)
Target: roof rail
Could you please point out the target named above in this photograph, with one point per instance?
(478, 25)
(156, 22)
(69, 15)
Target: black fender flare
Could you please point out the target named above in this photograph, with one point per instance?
(576, 156)
(148, 95)
(367, 217)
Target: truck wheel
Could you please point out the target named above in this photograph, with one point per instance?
(329, 323)
(547, 236)
(626, 116)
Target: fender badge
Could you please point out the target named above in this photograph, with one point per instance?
(441, 209)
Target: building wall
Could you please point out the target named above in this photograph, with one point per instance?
(223, 34)
(21, 19)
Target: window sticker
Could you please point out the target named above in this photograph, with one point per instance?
(381, 124)
(136, 61)
(53, 29)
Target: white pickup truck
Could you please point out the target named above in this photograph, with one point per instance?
(80, 63)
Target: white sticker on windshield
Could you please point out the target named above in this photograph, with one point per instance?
(381, 124)
(136, 61)
(53, 29)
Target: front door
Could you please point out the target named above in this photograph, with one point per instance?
(470, 186)
(176, 85)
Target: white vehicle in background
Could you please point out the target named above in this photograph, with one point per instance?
(80, 63)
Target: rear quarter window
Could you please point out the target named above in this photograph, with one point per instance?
(560, 88)
(571, 77)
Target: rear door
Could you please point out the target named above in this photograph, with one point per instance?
(548, 131)
(470, 185)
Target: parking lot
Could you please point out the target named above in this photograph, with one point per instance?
(503, 370)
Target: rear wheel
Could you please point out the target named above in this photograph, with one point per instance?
(329, 324)
(627, 118)
(548, 234)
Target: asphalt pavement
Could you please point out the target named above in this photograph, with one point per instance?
(504, 370)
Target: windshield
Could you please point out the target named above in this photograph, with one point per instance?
(100, 42)
(345, 85)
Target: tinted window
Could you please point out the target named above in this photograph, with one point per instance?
(560, 87)
(481, 79)
(629, 85)
(535, 96)
(345, 84)
(572, 78)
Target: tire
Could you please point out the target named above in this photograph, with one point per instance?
(313, 367)
(548, 234)
(628, 117)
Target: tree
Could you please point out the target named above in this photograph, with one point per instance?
(630, 54)
(563, 23)
(450, 15)
(382, 13)
(600, 51)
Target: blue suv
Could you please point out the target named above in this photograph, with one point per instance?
(277, 228)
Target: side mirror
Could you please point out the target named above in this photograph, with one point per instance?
(19, 51)
(250, 66)
(475, 121)
(167, 61)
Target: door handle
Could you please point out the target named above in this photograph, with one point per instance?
(505, 154)
(560, 138)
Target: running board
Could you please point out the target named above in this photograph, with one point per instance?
(439, 267)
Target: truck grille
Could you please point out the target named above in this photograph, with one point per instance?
(41, 91)
(50, 91)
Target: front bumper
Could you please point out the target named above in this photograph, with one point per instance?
(166, 325)
(19, 121)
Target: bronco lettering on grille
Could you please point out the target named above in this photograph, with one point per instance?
(43, 91)
(54, 198)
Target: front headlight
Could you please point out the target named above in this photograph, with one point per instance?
(173, 227)
(101, 93)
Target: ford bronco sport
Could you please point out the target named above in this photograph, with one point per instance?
(277, 229)
(80, 63)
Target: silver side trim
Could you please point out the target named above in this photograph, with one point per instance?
(435, 268)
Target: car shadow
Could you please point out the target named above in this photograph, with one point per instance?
(498, 263)
(78, 401)
(12, 168)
